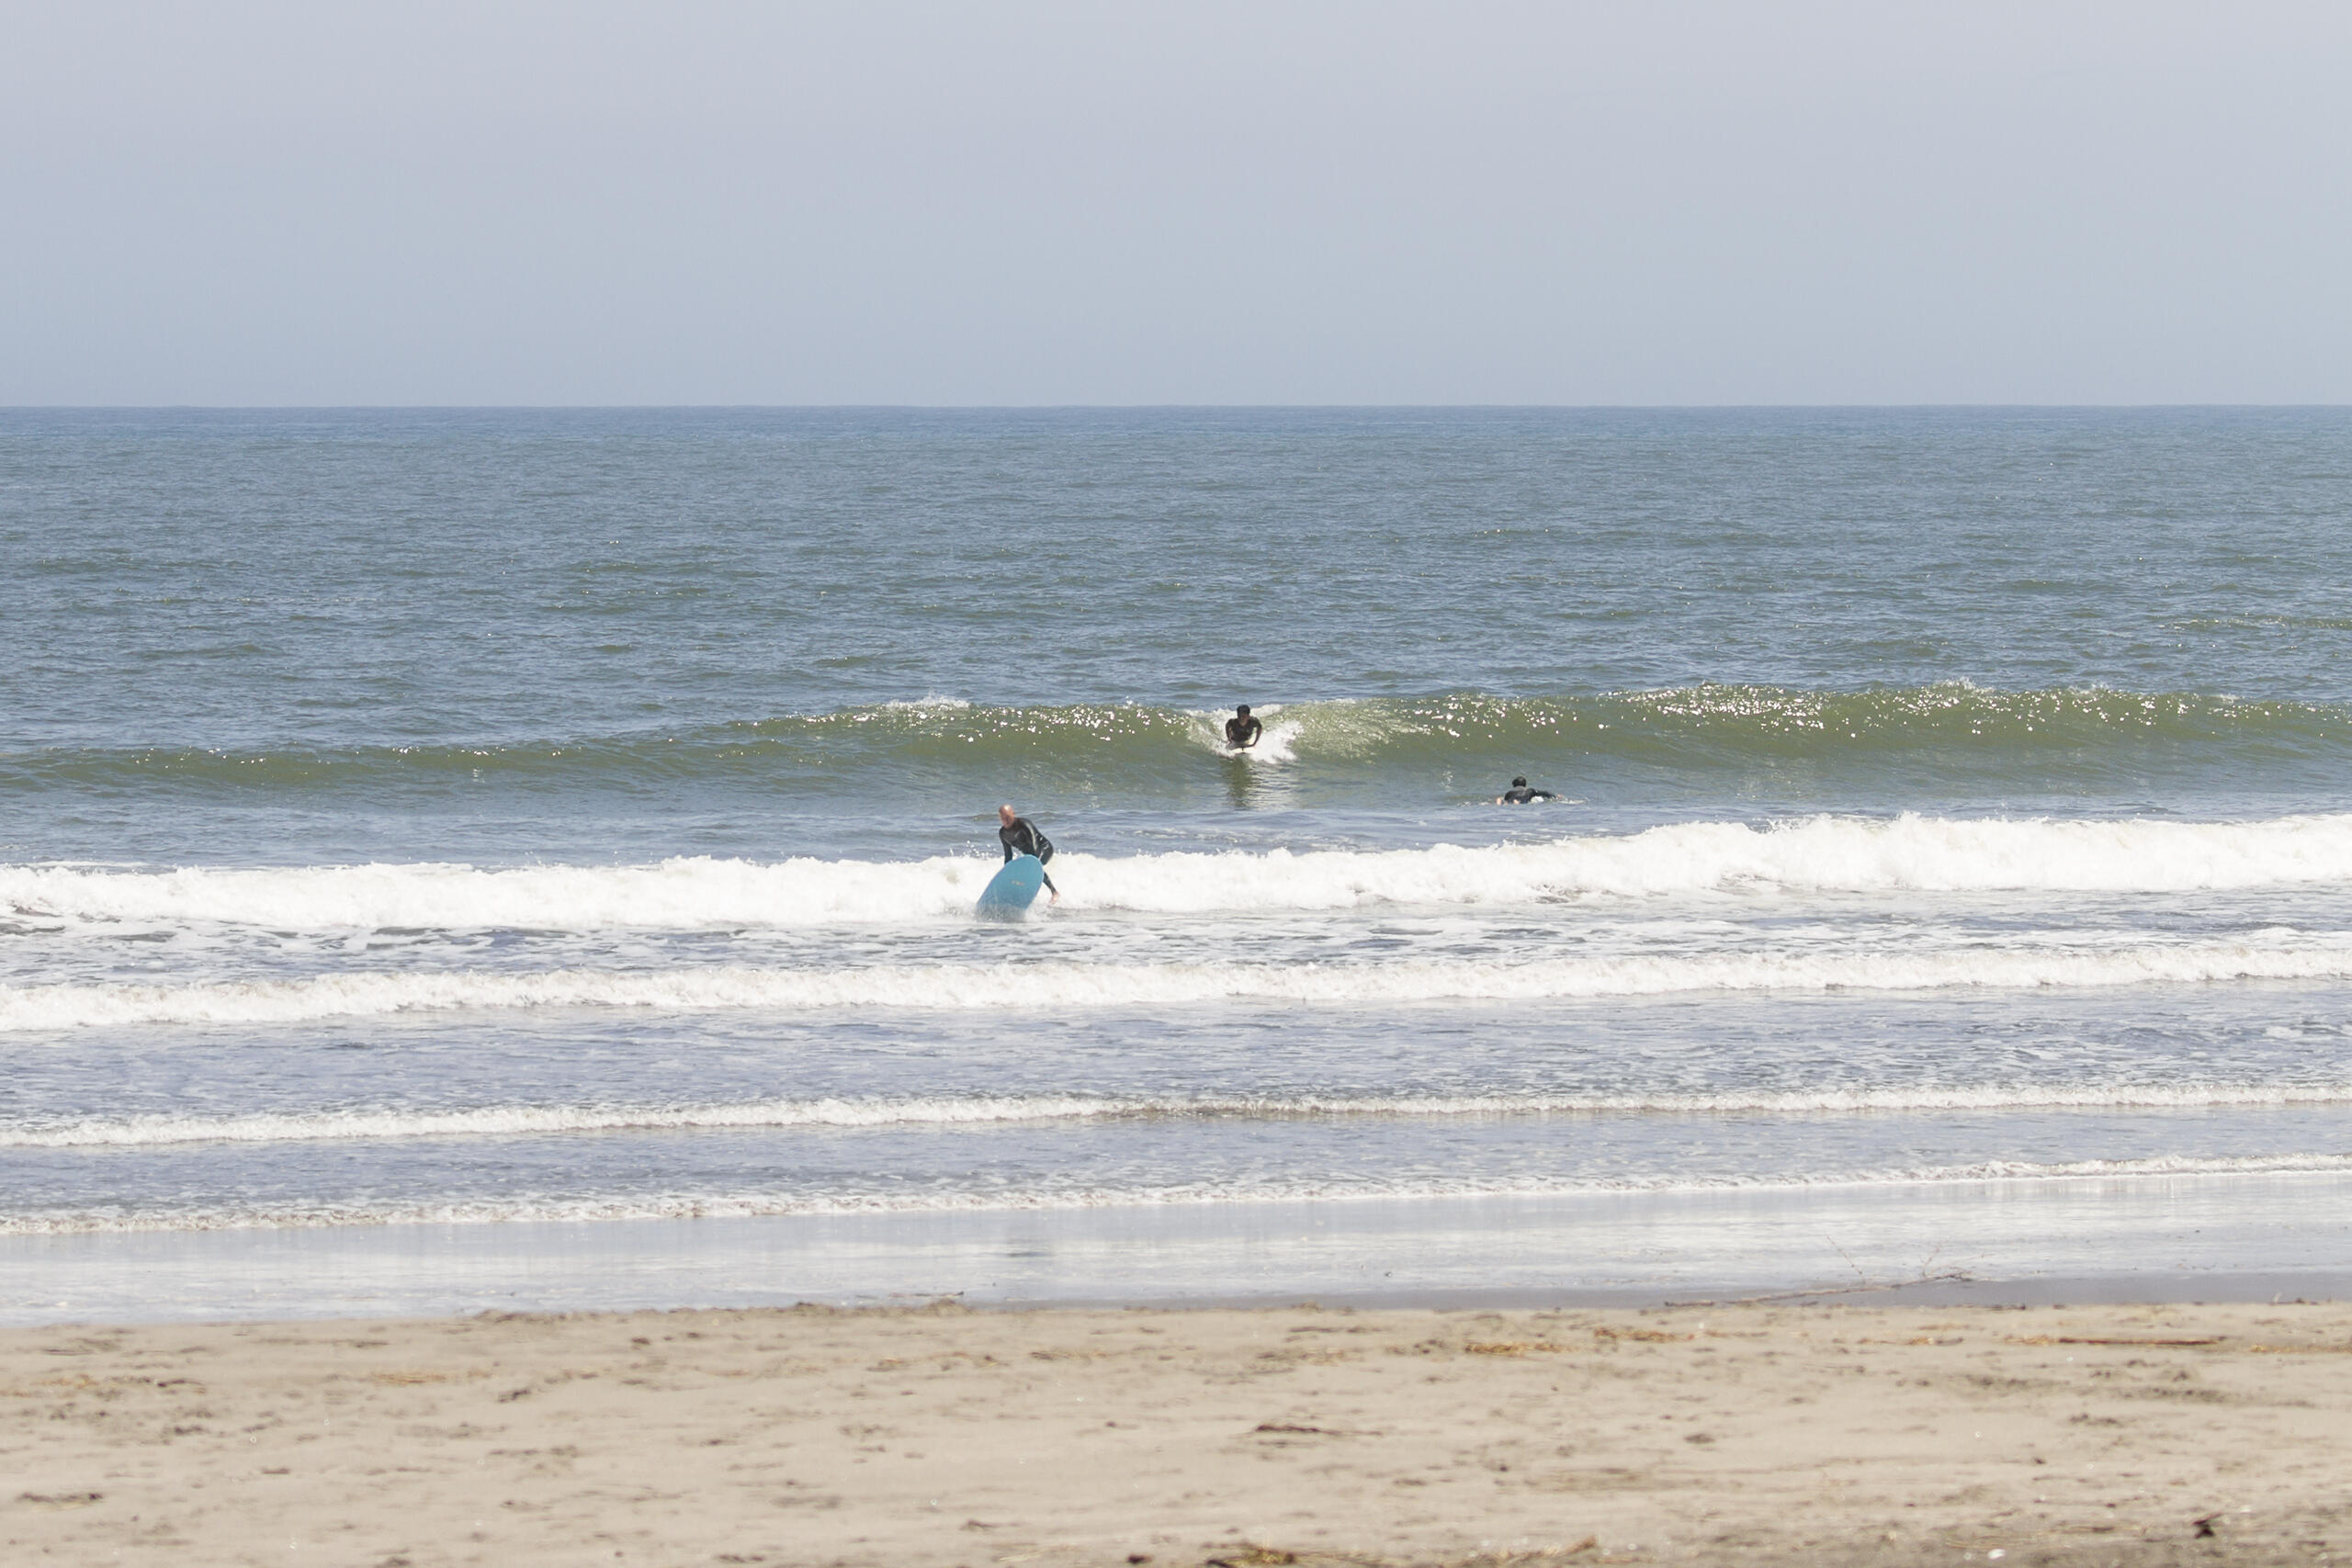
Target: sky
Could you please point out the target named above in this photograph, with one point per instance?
(1033, 202)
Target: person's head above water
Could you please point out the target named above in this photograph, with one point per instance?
(1006, 815)
(1519, 783)
(1242, 711)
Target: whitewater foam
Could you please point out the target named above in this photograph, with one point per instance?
(1813, 856)
(1065, 986)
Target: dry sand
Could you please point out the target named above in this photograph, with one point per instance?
(1753, 1433)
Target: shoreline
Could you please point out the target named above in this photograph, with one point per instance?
(2189, 1237)
(947, 1437)
(2153, 1288)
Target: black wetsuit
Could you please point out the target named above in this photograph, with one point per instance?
(1241, 732)
(1020, 837)
(1522, 795)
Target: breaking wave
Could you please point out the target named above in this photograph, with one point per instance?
(1951, 726)
(1815, 855)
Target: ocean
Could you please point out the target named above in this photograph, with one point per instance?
(462, 859)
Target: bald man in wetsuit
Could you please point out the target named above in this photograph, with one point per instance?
(1020, 837)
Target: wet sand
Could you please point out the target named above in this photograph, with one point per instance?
(1753, 1433)
(2206, 1237)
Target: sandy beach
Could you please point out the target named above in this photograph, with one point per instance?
(1752, 1433)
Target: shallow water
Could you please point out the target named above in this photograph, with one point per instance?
(500, 817)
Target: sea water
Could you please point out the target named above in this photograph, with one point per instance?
(467, 858)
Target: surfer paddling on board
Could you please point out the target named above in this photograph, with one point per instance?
(1242, 731)
(1020, 837)
(1521, 793)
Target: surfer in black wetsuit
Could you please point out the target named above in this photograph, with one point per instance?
(1020, 837)
(1521, 794)
(1242, 731)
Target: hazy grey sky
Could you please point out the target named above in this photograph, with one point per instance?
(1020, 202)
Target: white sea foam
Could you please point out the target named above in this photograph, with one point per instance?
(675, 894)
(525, 1121)
(1277, 744)
(1822, 855)
(1064, 987)
(309, 1214)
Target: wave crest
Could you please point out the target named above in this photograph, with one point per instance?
(1950, 726)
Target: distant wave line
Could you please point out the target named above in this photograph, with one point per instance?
(1691, 724)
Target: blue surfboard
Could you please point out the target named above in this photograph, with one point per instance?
(1011, 891)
